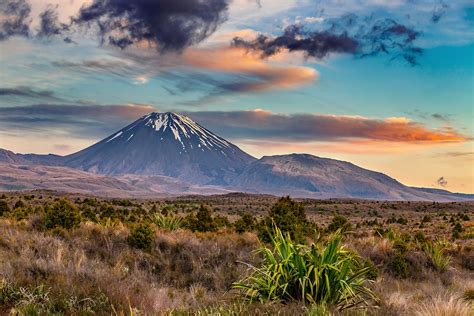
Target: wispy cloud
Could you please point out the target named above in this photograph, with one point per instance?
(76, 121)
(26, 92)
(259, 125)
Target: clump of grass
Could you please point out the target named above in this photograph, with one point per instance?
(39, 301)
(168, 222)
(435, 251)
(442, 305)
(321, 274)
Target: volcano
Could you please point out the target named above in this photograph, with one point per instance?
(166, 144)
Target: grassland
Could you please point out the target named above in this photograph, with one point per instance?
(74, 254)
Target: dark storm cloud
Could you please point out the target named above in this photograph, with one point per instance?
(171, 24)
(49, 23)
(349, 34)
(166, 24)
(15, 18)
(25, 92)
(294, 38)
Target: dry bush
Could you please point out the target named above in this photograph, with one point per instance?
(94, 260)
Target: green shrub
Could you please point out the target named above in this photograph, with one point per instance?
(323, 274)
(142, 237)
(373, 272)
(426, 219)
(420, 237)
(289, 216)
(245, 223)
(202, 221)
(399, 266)
(469, 295)
(457, 230)
(435, 251)
(169, 222)
(400, 246)
(339, 222)
(222, 221)
(4, 208)
(19, 204)
(62, 214)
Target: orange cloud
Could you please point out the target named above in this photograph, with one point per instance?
(261, 124)
(264, 75)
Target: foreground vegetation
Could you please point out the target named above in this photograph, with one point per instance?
(245, 255)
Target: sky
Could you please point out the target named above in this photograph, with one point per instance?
(387, 85)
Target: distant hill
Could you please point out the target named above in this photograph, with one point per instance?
(305, 175)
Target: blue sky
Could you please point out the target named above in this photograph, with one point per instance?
(422, 108)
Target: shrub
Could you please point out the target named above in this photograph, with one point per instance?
(457, 230)
(289, 216)
(323, 274)
(245, 223)
(169, 222)
(202, 221)
(435, 251)
(142, 237)
(4, 208)
(420, 237)
(373, 272)
(426, 219)
(402, 221)
(399, 265)
(221, 221)
(400, 246)
(63, 214)
(19, 204)
(339, 222)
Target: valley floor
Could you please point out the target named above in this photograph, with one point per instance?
(83, 255)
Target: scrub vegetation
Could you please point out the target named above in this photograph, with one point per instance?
(232, 255)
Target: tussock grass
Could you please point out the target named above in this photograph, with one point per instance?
(169, 222)
(435, 251)
(322, 274)
(444, 305)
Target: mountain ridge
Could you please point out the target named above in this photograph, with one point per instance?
(171, 145)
